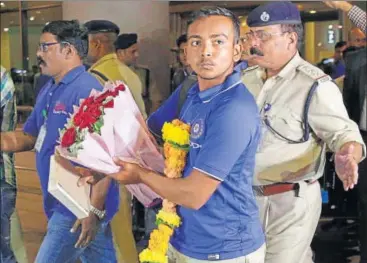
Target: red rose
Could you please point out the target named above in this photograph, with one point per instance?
(109, 104)
(88, 101)
(78, 119)
(95, 110)
(103, 96)
(68, 138)
(120, 87)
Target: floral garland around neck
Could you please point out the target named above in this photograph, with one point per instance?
(176, 137)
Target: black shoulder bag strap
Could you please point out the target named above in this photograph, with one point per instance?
(99, 74)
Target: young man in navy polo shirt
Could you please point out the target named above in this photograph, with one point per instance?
(63, 44)
(220, 220)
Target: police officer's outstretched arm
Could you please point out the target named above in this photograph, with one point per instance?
(329, 120)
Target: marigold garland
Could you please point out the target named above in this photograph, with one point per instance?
(176, 136)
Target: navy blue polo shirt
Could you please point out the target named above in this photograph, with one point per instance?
(75, 85)
(225, 132)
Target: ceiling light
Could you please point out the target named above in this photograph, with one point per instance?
(340, 26)
(330, 26)
(313, 12)
(6, 29)
(2, 4)
(319, 44)
(32, 18)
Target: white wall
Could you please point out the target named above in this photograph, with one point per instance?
(150, 20)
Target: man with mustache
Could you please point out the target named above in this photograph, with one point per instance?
(220, 220)
(63, 45)
(302, 112)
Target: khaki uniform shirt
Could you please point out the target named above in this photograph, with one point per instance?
(114, 70)
(282, 99)
(151, 95)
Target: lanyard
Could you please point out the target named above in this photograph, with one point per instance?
(50, 96)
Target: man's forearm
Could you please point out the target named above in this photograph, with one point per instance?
(176, 190)
(17, 141)
(99, 193)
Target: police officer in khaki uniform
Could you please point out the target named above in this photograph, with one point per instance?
(106, 66)
(296, 131)
(127, 50)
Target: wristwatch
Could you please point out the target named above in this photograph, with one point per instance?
(100, 214)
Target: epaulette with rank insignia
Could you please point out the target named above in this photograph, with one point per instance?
(314, 73)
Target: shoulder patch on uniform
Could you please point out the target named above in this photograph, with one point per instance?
(312, 71)
(248, 69)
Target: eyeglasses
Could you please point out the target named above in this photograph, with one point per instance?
(261, 35)
(43, 47)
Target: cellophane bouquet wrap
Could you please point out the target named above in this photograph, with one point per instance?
(109, 125)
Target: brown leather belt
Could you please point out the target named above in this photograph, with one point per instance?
(274, 189)
(278, 188)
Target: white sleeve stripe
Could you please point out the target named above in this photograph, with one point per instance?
(219, 179)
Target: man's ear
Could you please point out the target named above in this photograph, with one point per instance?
(237, 52)
(293, 39)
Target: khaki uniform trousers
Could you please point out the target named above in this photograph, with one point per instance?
(289, 220)
(255, 257)
(122, 233)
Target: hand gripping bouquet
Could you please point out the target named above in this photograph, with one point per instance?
(106, 125)
(176, 137)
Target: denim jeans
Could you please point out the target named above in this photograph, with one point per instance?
(58, 244)
(7, 199)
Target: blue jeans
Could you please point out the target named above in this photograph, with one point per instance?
(58, 244)
(8, 195)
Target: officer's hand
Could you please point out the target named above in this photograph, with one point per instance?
(342, 5)
(346, 167)
(90, 226)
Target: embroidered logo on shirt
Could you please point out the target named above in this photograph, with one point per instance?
(197, 129)
(60, 108)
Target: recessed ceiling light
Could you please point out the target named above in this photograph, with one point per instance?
(330, 26)
(340, 26)
(319, 44)
(6, 29)
(2, 4)
(32, 18)
(313, 12)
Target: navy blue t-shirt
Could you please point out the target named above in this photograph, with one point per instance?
(225, 132)
(57, 101)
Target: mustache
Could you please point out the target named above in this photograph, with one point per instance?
(40, 61)
(255, 51)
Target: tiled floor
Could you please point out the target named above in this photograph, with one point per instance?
(329, 247)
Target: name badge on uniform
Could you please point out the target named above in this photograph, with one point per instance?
(40, 138)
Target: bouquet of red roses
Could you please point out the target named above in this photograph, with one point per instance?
(107, 125)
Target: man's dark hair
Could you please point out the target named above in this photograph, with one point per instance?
(69, 31)
(340, 44)
(216, 11)
(181, 39)
(298, 29)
